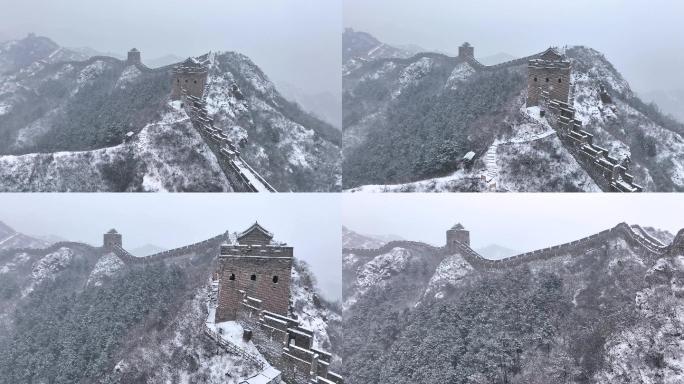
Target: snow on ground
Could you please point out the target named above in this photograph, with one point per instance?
(412, 74)
(5, 108)
(650, 351)
(17, 260)
(220, 101)
(461, 72)
(375, 272)
(310, 316)
(173, 153)
(51, 263)
(90, 72)
(438, 184)
(127, 76)
(10, 237)
(452, 269)
(107, 266)
(386, 68)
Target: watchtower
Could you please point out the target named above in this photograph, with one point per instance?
(457, 234)
(133, 57)
(466, 50)
(549, 72)
(255, 267)
(112, 239)
(189, 76)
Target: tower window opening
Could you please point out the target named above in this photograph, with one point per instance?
(535, 78)
(186, 80)
(547, 79)
(275, 279)
(195, 81)
(253, 277)
(232, 276)
(560, 81)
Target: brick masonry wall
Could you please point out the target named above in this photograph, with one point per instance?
(633, 238)
(541, 78)
(275, 297)
(193, 83)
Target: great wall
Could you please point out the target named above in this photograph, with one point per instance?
(549, 86)
(252, 289)
(634, 235)
(190, 85)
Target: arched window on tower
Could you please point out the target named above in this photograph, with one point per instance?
(275, 279)
(547, 79)
(232, 276)
(560, 80)
(535, 79)
(194, 81)
(253, 277)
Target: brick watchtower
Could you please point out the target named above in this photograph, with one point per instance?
(255, 267)
(112, 239)
(549, 72)
(189, 76)
(457, 234)
(466, 50)
(133, 57)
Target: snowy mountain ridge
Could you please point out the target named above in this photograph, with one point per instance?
(626, 274)
(452, 106)
(56, 117)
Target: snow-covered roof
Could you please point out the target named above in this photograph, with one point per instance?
(255, 227)
(458, 226)
(469, 156)
(134, 50)
(112, 231)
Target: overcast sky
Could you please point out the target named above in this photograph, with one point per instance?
(297, 41)
(308, 222)
(643, 39)
(519, 221)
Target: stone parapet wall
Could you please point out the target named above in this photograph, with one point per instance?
(227, 154)
(181, 252)
(633, 237)
(608, 173)
(286, 345)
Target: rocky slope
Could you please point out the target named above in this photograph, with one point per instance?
(605, 309)
(58, 116)
(76, 313)
(414, 119)
(359, 47)
(9, 238)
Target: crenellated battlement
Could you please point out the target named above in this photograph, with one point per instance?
(608, 172)
(635, 235)
(242, 176)
(286, 344)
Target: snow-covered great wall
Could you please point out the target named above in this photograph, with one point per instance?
(635, 235)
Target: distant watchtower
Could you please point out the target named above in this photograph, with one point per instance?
(549, 72)
(189, 76)
(255, 267)
(112, 239)
(466, 50)
(133, 57)
(457, 234)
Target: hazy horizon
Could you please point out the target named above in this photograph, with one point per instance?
(295, 42)
(308, 222)
(642, 39)
(523, 222)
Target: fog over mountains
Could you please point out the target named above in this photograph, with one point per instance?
(101, 124)
(597, 309)
(408, 121)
